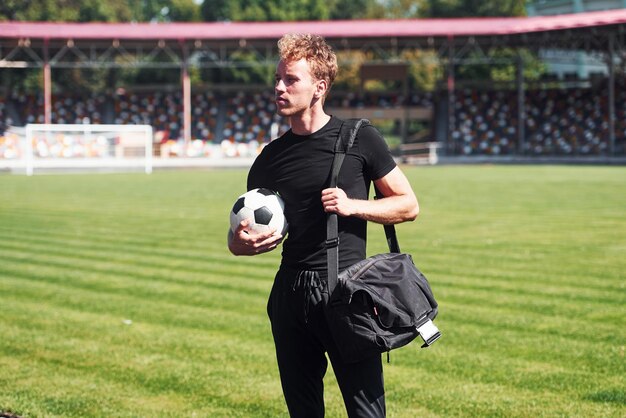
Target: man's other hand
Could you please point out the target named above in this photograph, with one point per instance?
(245, 242)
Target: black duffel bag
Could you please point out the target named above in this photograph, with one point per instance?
(380, 303)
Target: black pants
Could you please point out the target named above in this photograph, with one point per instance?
(302, 338)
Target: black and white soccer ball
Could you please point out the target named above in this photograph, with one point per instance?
(264, 207)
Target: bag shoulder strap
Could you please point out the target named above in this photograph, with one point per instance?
(347, 134)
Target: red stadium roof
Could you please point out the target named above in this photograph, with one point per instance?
(328, 29)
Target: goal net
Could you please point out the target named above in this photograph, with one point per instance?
(65, 146)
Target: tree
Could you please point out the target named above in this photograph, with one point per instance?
(474, 8)
(264, 10)
(166, 11)
(397, 9)
(100, 11)
(66, 10)
(217, 10)
(349, 9)
(503, 65)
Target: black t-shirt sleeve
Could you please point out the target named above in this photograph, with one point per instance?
(373, 147)
(256, 175)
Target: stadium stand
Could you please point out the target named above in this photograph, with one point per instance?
(205, 112)
(563, 117)
(70, 108)
(382, 100)
(162, 110)
(620, 118)
(29, 108)
(7, 147)
(3, 118)
(485, 122)
(250, 116)
(66, 108)
(565, 121)
(559, 121)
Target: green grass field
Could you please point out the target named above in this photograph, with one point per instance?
(118, 297)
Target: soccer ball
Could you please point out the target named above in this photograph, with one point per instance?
(264, 207)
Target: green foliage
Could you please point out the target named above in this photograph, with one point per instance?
(533, 67)
(166, 11)
(66, 10)
(26, 80)
(13, 9)
(349, 67)
(248, 71)
(397, 9)
(503, 66)
(216, 10)
(349, 9)
(100, 11)
(425, 69)
(264, 10)
(79, 80)
(183, 11)
(151, 76)
(424, 72)
(474, 8)
(248, 10)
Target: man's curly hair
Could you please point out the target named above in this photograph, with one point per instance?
(313, 48)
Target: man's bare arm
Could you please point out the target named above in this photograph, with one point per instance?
(398, 205)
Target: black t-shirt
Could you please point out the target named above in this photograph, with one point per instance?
(298, 168)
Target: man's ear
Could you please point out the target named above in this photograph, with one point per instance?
(321, 89)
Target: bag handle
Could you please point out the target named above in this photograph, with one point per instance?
(347, 134)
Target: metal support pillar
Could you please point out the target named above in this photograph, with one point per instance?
(47, 83)
(521, 107)
(611, 109)
(186, 98)
(451, 143)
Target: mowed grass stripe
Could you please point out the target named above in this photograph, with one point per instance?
(513, 313)
(173, 294)
(532, 261)
(90, 273)
(542, 343)
(150, 248)
(90, 332)
(502, 335)
(135, 282)
(124, 264)
(149, 368)
(136, 308)
(525, 261)
(222, 347)
(522, 387)
(522, 300)
(485, 328)
(149, 235)
(522, 378)
(558, 293)
(450, 395)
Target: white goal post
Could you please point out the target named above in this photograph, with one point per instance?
(86, 146)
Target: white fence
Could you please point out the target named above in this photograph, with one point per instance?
(54, 146)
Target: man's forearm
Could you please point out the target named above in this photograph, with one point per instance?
(387, 211)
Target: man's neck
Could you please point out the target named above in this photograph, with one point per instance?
(306, 124)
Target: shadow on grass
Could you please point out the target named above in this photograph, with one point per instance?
(8, 414)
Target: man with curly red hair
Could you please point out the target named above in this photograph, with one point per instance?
(297, 166)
